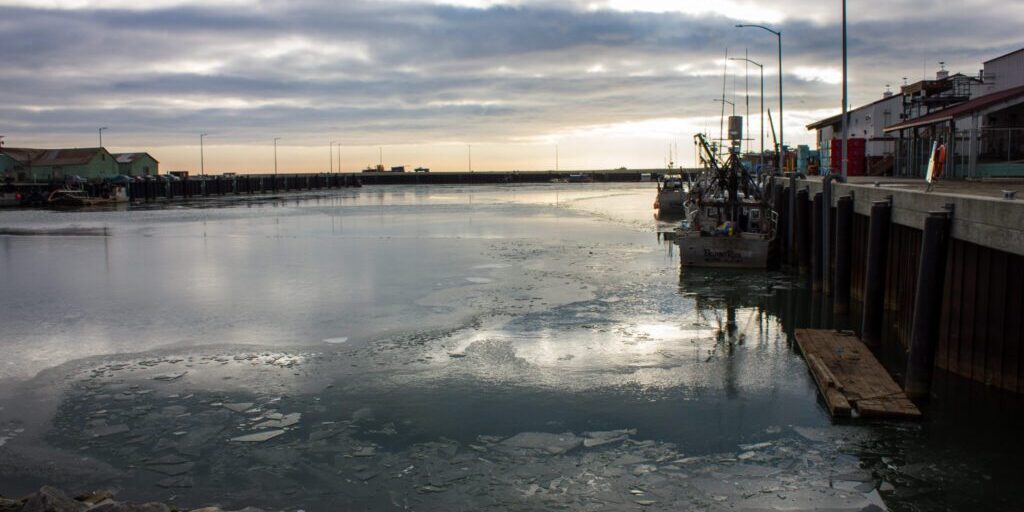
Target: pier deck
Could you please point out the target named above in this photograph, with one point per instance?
(850, 378)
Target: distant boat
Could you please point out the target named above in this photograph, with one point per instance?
(580, 178)
(671, 195)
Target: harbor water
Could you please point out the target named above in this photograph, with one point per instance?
(517, 347)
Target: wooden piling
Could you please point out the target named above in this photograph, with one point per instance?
(927, 303)
(817, 220)
(803, 231)
(874, 275)
(843, 256)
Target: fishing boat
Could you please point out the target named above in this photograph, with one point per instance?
(728, 221)
(671, 197)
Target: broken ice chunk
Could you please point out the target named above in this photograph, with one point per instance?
(258, 437)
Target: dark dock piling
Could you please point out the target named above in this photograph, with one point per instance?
(927, 303)
(804, 229)
(874, 274)
(844, 242)
(817, 222)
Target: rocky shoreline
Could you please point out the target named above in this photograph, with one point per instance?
(51, 499)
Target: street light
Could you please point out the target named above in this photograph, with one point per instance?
(721, 139)
(100, 131)
(728, 102)
(469, 149)
(761, 67)
(846, 124)
(275, 154)
(202, 165)
(332, 157)
(781, 120)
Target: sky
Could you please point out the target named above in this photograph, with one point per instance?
(449, 84)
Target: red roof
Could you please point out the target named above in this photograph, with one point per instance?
(967, 107)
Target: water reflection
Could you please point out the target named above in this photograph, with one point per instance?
(485, 350)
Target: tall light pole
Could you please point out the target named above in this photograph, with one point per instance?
(331, 150)
(469, 150)
(202, 164)
(339, 158)
(100, 131)
(778, 35)
(556, 157)
(846, 103)
(761, 67)
(275, 154)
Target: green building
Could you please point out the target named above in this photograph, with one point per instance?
(137, 164)
(56, 164)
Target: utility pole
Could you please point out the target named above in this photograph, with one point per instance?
(101, 135)
(846, 123)
(275, 154)
(469, 150)
(202, 164)
(332, 157)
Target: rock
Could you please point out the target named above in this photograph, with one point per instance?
(258, 437)
(49, 499)
(9, 505)
(94, 497)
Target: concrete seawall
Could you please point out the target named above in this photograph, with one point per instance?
(936, 279)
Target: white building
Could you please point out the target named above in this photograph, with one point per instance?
(866, 122)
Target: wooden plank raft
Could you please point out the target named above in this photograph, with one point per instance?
(850, 378)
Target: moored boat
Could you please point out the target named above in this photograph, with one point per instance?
(728, 221)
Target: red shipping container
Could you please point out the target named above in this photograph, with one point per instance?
(855, 155)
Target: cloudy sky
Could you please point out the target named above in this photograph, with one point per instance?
(611, 82)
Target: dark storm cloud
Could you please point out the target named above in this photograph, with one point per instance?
(421, 73)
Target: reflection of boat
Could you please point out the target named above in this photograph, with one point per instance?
(728, 223)
(671, 195)
(69, 197)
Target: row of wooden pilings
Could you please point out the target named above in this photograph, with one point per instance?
(151, 190)
(867, 259)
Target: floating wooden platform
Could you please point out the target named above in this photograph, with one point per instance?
(850, 378)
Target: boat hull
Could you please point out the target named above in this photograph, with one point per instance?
(724, 251)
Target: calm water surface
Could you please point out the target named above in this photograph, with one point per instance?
(433, 348)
